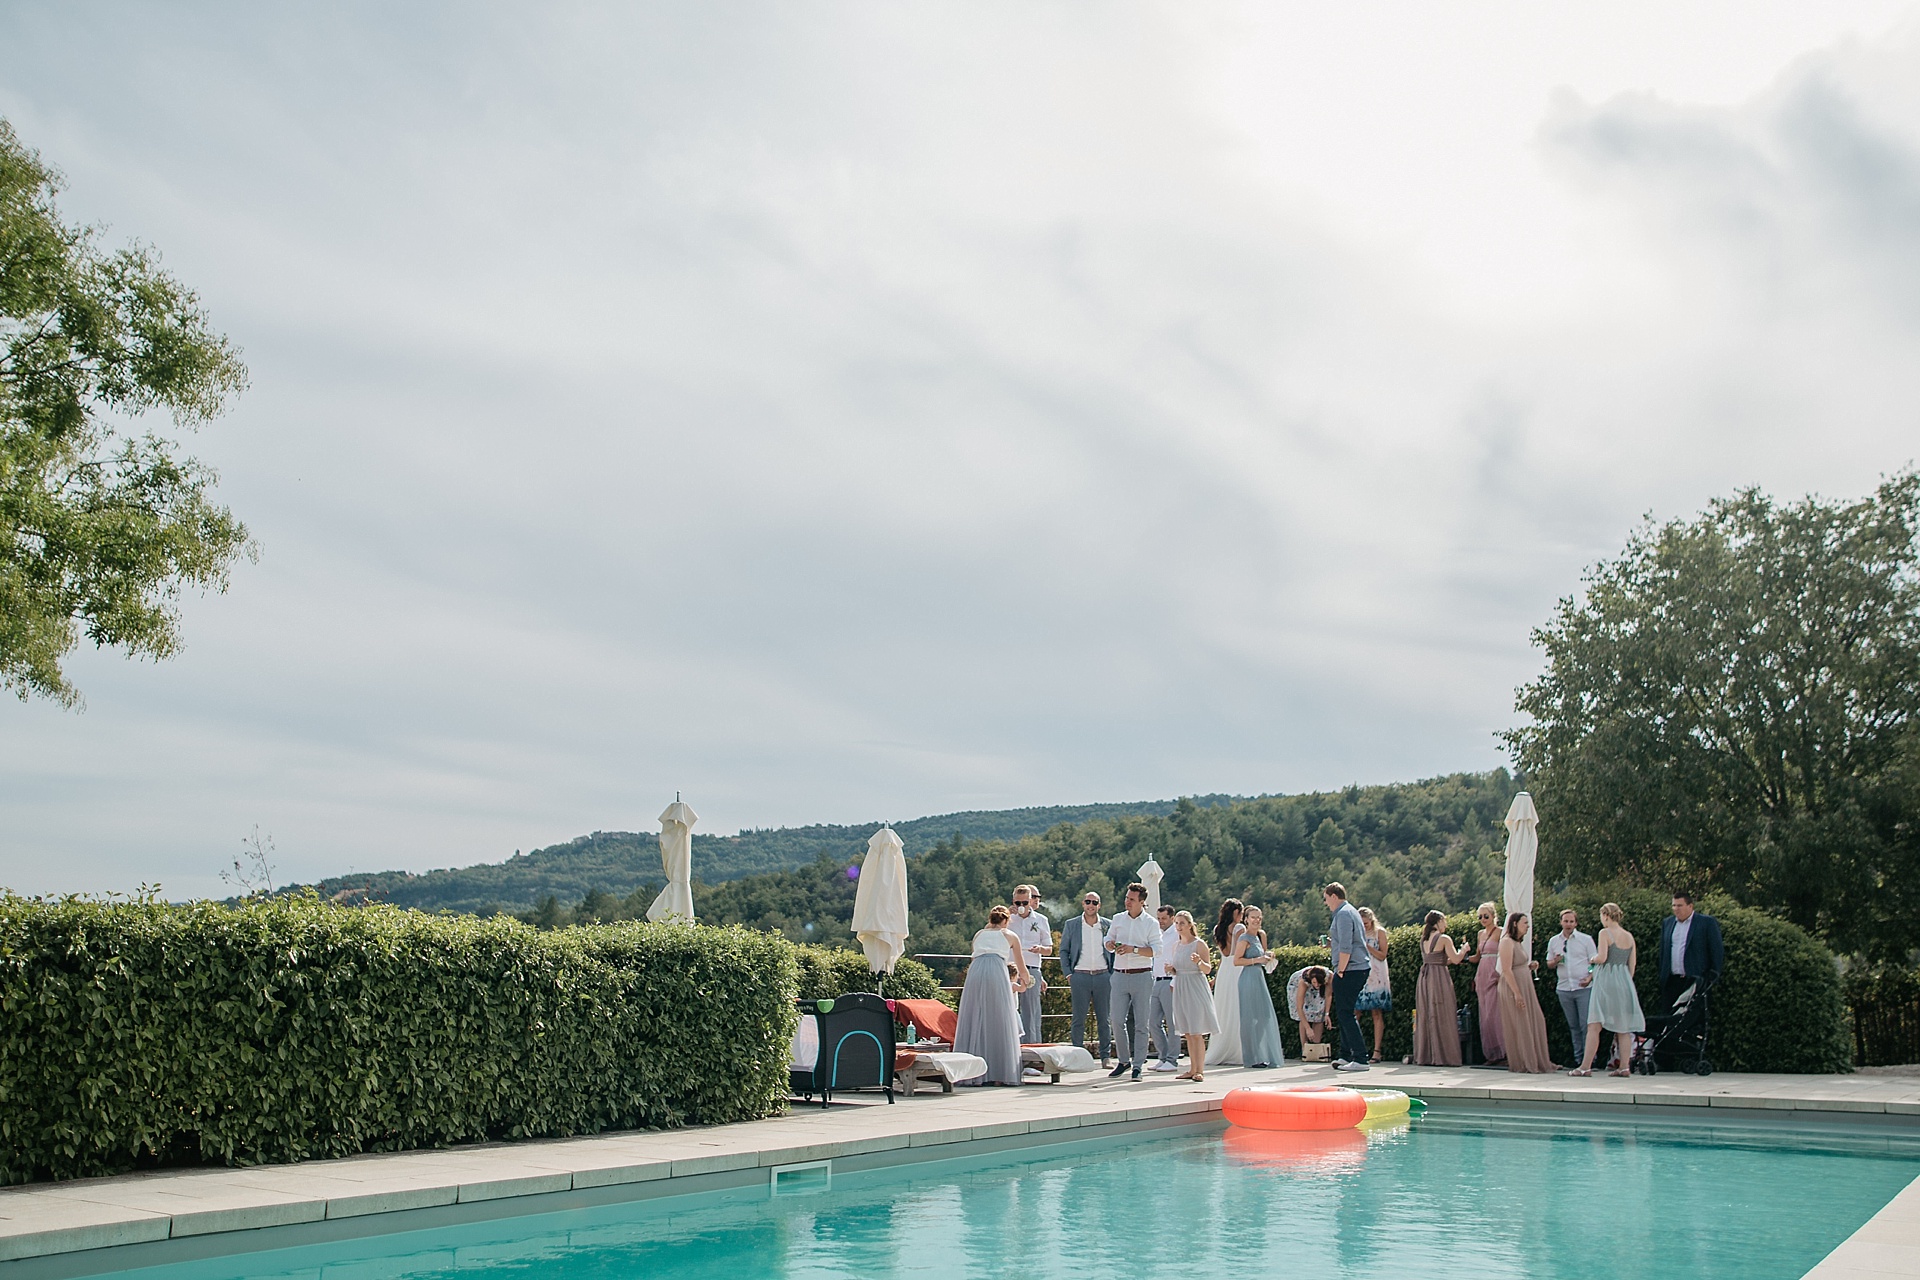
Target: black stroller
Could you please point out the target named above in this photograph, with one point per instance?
(1677, 1040)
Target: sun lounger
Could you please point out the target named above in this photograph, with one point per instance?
(1054, 1060)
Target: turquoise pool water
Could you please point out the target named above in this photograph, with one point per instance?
(1460, 1194)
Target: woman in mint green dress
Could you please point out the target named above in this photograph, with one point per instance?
(1259, 1025)
(1614, 1005)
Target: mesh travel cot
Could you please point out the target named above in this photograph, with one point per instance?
(855, 1047)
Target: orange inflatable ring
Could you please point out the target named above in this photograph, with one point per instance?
(1315, 1107)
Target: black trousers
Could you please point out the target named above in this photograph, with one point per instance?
(1346, 992)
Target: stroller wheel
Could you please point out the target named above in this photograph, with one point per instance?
(1650, 1068)
(1705, 1068)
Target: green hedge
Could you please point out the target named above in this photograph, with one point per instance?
(826, 972)
(1779, 1007)
(139, 1033)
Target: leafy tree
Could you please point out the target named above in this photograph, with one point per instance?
(1733, 704)
(101, 525)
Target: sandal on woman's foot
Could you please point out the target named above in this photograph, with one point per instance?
(1581, 1071)
(1624, 1075)
(1198, 1079)
(1186, 1075)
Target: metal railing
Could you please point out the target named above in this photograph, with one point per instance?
(1053, 979)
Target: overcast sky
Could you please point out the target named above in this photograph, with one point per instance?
(839, 412)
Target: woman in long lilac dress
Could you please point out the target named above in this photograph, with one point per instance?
(1486, 986)
(1436, 1031)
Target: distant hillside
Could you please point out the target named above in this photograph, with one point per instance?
(1400, 849)
(620, 862)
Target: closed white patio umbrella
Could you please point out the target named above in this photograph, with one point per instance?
(675, 902)
(1151, 875)
(1523, 848)
(880, 901)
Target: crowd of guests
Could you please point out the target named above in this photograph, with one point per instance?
(1139, 983)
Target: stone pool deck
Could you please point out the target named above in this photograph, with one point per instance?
(51, 1229)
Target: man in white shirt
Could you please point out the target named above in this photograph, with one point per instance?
(1036, 940)
(1160, 1022)
(1570, 953)
(1132, 939)
(1083, 954)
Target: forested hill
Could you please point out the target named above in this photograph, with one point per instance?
(1400, 849)
(622, 863)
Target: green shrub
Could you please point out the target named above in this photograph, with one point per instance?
(826, 972)
(146, 1033)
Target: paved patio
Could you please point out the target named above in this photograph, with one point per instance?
(45, 1220)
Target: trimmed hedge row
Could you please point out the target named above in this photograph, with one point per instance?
(137, 1033)
(1779, 1007)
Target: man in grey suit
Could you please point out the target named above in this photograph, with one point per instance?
(1083, 954)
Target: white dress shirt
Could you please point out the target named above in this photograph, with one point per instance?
(1681, 929)
(1133, 931)
(1034, 932)
(1576, 962)
(1165, 950)
(1093, 956)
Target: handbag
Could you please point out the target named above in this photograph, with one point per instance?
(1320, 1052)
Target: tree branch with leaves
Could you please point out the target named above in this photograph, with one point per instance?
(103, 520)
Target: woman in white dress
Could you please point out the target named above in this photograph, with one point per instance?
(1224, 1049)
(1377, 995)
(989, 1022)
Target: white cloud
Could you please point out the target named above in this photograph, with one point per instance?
(901, 410)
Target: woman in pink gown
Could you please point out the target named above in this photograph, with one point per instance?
(1486, 985)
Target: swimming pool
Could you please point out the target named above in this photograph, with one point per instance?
(1459, 1192)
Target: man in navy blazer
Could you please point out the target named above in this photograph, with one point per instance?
(1088, 964)
(1700, 957)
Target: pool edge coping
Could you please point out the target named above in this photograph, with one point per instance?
(280, 1222)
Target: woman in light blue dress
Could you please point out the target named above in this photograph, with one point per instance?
(1614, 1005)
(1259, 1026)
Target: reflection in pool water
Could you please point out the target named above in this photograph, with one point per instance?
(1571, 1198)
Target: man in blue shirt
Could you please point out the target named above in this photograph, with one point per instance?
(1347, 942)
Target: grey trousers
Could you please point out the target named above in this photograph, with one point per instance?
(1132, 998)
(1092, 992)
(1574, 1005)
(1030, 1009)
(1160, 1022)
